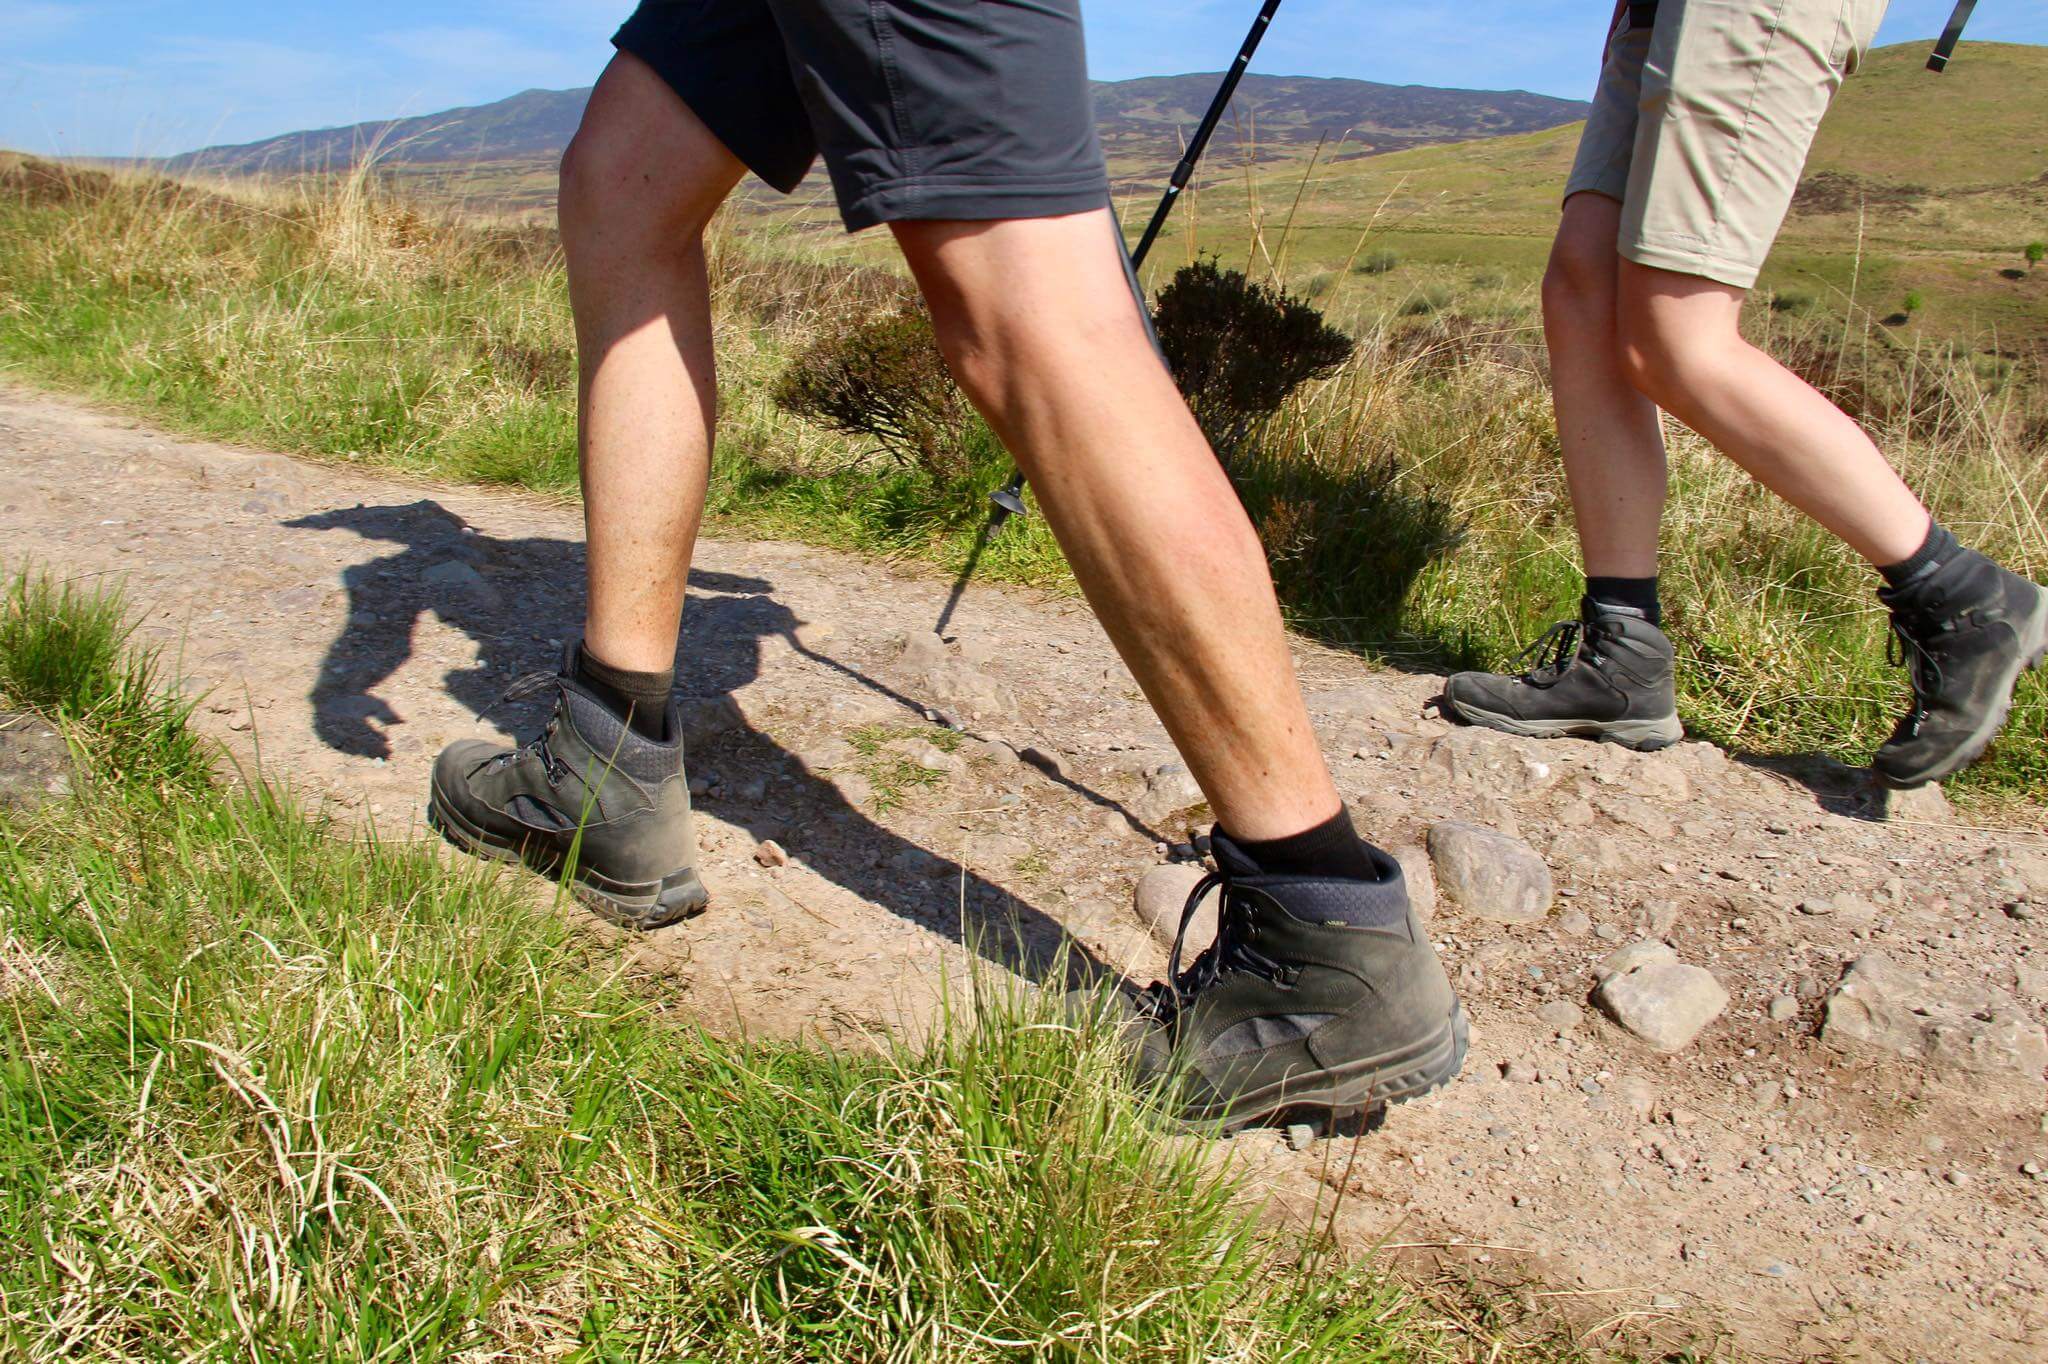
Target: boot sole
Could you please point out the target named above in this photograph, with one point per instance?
(1353, 1089)
(1644, 736)
(2033, 649)
(640, 905)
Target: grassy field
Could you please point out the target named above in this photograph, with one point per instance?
(272, 1090)
(1412, 504)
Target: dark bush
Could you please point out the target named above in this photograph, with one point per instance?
(883, 377)
(1377, 262)
(1238, 348)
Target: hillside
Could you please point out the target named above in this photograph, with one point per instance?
(1939, 180)
(1142, 120)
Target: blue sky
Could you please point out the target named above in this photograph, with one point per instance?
(122, 77)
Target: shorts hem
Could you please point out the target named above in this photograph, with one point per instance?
(975, 199)
(1613, 187)
(1720, 269)
(779, 172)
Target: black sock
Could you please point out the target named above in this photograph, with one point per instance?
(641, 697)
(1937, 549)
(1332, 848)
(1639, 594)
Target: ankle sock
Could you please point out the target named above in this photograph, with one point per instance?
(642, 698)
(1937, 549)
(1332, 848)
(1639, 594)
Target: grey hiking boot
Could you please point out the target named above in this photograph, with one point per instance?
(1967, 629)
(1317, 993)
(588, 795)
(1606, 675)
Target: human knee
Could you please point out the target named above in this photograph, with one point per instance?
(1580, 276)
(613, 179)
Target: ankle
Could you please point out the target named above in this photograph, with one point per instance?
(640, 698)
(1330, 849)
(1636, 594)
(1936, 549)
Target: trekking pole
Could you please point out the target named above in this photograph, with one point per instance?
(1009, 499)
(1945, 46)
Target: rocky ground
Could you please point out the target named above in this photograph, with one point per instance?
(1757, 1053)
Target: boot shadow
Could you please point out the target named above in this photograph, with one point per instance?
(517, 597)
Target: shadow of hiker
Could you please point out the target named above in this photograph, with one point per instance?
(514, 597)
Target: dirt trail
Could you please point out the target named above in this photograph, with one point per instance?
(1813, 1196)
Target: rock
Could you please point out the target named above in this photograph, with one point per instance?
(999, 851)
(1955, 1024)
(1560, 1015)
(1664, 1001)
(1655, 777)
(704, 716)
(1160, 896)
(827, 753)
(35, 763)
(927, 755)
(1300, 1136)
(1636, 1096)
(1784, 1008)
(769, 853)
(1520, 1072)
(1169, 789)
(751, 790)
(955, 684)
(1482, 763)
(1421, 878)
(1489, 875)
(453, 573)
(1920, 805)
(1575, 924)
(1638, 814)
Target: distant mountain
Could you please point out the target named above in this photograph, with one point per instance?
(1142, 120)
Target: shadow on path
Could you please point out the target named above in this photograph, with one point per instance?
(513, 596)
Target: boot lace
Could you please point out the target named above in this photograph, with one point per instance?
(1908, 645)
(1231, 953)
(1553, 652)
(524, 686)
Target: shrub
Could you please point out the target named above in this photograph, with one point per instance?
(1377, 262)
(2034, 253)
(1914, 301)
(1423, 302)
(1791, 301)
(883, 378)
(1238, 348)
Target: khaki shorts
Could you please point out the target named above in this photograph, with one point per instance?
(1702, 122)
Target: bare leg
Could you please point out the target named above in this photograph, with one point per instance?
(1612, 445)
(1681, 348)
(1040, 329)
(639, 182)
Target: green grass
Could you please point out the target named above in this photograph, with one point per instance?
(272, 1090)
(1413, 505)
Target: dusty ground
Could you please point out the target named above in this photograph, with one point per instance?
(1806, 1195)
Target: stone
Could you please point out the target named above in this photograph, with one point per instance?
(1560, 1015)
(826, 753)
(927, 755)
(1666, 1002)
(1488, 874)
(1575, 924)
(705, 716)
(1954, 1024)
(1160, 896)
(35, 763)
(1655, 777)
(1784, 1008)
(769, 853)
(1420, 875)
(952, 682)
(1919, 805)
(453, 573)
(1169, 789)
(1300, 1136)
(751, 790)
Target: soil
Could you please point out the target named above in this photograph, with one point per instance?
(1771, 1186)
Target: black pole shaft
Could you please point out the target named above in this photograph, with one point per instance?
(1009, 499)
(1204, 131)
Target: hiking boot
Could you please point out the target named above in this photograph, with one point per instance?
(1606, 675)
(1967, 629)
(588, 795)
(1317, 993)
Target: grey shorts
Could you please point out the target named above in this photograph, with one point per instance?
(1703, 119)
(922, 108)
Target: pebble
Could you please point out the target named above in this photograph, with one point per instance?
(1300, 1136)
(769, 853)
(1666, 1002)
(1784, 1008)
